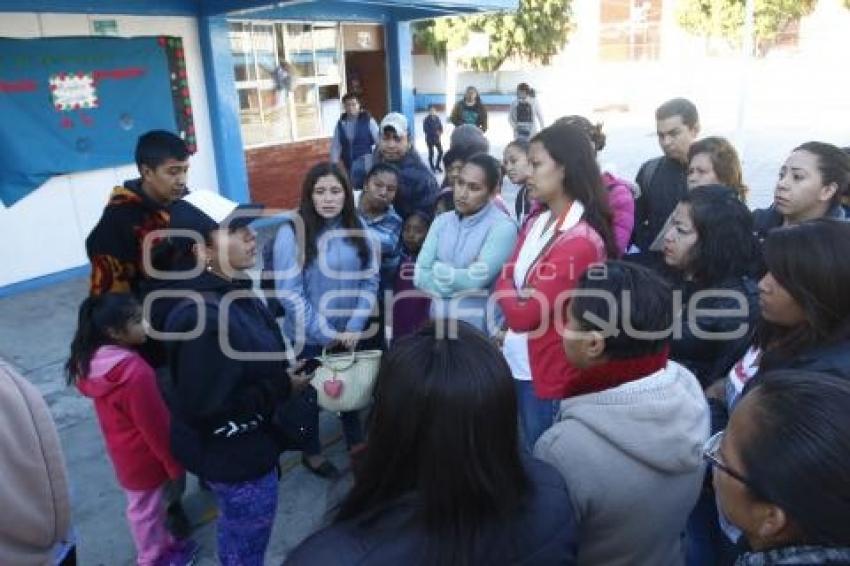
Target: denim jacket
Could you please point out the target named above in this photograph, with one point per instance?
(387, 229)
(335, 293)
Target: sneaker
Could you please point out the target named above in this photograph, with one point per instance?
(324, 470)
(181, 553)
(177, 522)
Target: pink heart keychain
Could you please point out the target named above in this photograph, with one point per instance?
(333, 388)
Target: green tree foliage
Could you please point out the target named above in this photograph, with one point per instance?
(725, 18)
(536, 31)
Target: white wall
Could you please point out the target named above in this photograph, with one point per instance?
(45, 232)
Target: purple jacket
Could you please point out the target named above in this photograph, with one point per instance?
(412, 311)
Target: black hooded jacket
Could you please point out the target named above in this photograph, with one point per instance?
(701, 348)
(222, 405)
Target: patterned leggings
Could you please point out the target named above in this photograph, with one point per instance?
(246, 519)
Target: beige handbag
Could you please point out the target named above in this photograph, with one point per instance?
(344, 382)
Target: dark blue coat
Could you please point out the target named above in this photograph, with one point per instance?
(433, 128)
(212, 389)
(544, 533)
(710, 359)
(767, 219)
(362, 142)
(833, 359)
(417, 190)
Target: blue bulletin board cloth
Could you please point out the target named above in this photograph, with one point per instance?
(78, 103)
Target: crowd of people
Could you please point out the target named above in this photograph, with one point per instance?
(601, 373)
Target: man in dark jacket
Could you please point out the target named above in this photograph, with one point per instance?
(136, 208)
(417, 187)
(663, 180)
(355, 135)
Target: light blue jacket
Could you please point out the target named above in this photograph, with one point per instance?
(336, 268)
(460, 259)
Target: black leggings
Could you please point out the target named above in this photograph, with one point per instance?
(439, 164)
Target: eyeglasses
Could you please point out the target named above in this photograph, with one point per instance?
(711, 454)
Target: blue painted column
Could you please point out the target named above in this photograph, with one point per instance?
(400, 62)
(224, 108)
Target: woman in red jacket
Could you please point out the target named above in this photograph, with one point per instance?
(572, 232)
(620, 192)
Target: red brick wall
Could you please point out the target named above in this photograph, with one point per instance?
(275, 173)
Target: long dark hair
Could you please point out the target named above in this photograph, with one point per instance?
(444, 431)
(725, 246)
(833, 166)
(313, 223)
(491, 167)
(98, 315)
(593, 131)
(809, 261)
(798, 456)
(567, 145)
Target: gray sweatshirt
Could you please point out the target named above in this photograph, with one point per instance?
(632, 459)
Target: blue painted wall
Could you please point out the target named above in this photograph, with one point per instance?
(224, 108)
(319, 11)
(399, 44)
(141, 7)
(423, 99)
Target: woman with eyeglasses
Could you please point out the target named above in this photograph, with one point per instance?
(782, 470)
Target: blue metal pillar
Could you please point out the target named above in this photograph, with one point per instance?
(400, 62)
(224, 108)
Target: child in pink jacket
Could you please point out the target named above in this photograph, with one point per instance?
(105, 367)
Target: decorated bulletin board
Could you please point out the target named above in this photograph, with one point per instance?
(78, 103)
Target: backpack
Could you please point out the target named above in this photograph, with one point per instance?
(524, 113)
(642, 212)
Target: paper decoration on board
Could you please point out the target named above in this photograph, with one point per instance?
(74, 104)
(72, 91)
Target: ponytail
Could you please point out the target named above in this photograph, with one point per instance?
(98, 315)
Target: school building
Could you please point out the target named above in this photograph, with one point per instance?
(254, 86)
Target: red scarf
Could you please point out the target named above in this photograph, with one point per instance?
(617, 372)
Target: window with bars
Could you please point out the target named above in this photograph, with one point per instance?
(630, 30)
(288, 79)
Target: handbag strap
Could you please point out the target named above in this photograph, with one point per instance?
(347, 364)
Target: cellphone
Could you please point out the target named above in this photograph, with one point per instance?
(309, 366)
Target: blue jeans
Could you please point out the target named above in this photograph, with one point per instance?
(536, 415)
(351, 427)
